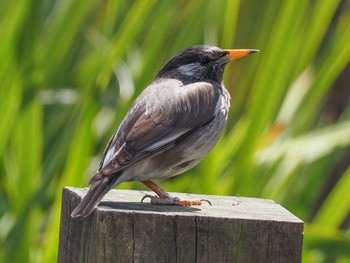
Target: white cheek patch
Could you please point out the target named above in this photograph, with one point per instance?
(190, 69)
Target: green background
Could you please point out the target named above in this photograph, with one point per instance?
(69, 70)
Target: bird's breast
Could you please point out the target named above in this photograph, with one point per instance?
(186, 153)
(224, 104)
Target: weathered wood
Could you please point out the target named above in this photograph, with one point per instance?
(233, 229)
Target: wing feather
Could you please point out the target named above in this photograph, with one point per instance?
(159, 118)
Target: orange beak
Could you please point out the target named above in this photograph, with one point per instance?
(238, 53)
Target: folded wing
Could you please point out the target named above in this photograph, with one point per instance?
(157, 121)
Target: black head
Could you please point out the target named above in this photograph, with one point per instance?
(200, 63)
(196, 63)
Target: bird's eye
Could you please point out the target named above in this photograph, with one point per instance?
(223, 54)
(204, 60)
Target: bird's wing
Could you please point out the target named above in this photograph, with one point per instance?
(159, 118)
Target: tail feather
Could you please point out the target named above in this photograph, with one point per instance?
(96, 192)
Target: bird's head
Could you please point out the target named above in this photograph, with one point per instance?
(201, 63)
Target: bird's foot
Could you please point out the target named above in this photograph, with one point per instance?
(169, 200)
(163, 198)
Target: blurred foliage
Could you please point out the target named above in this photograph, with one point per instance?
(70, 70)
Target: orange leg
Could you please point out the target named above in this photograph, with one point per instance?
(164, 198)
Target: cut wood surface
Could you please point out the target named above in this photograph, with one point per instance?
(233, 229)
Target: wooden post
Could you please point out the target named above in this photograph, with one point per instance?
(233, 229)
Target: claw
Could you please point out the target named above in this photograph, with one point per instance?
(146, 196)
(206, 200)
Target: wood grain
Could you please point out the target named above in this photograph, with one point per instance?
(233, 229)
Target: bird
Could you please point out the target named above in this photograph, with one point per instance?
(170, 127)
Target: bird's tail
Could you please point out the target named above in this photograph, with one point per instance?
(96, 192)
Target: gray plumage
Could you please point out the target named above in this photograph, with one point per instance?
(170, 127)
